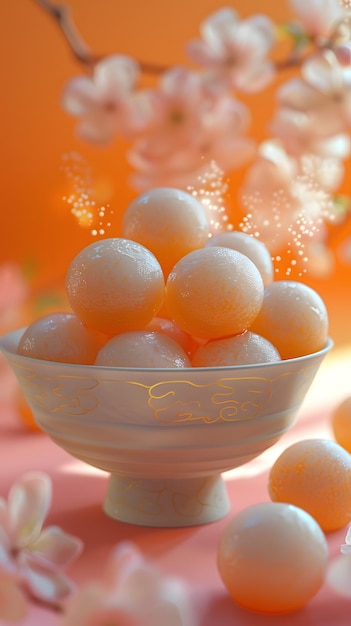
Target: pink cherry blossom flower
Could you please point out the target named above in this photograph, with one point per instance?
(327, 173)
(283, 195)
(319, 17)
(301, 134)
(323, 93)
(13, 602)
(35, 555)
(130, 592)
(234, 51)
(106, 102)
(190, 128)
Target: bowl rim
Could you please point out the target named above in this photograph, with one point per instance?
(108, 368)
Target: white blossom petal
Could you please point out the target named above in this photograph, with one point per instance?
(339, 576)
(234, 51)
(29, 501)
(257, 77)
(130, 592)
(79, 96)
(323, 72)
(141, 585)
(55, 547)
(223, 24)
(96, 129)
(106, 102)
(199, 52)
(116, 75)
(272, 151)
(122, 559)
(179, 79)
(318, 16)
(163, 613)
(264, 29)
(338, 146)
(233, 152)
(297, 94)
(45, 584)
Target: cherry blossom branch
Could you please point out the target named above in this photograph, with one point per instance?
(62, 16)
(131, 112)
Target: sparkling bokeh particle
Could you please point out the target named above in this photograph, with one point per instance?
(210, 189)
(82, 197)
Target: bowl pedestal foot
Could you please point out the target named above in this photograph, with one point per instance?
(166, 502)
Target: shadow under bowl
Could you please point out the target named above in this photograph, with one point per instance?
(164, 435)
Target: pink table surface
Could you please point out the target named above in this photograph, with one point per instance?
(189, 553)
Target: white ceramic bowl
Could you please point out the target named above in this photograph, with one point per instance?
(164, 435)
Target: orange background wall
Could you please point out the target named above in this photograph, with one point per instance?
(37, 228)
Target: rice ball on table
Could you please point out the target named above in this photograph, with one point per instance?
(315, 474)
(272, 557)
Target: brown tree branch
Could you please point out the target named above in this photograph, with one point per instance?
(62, 16)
